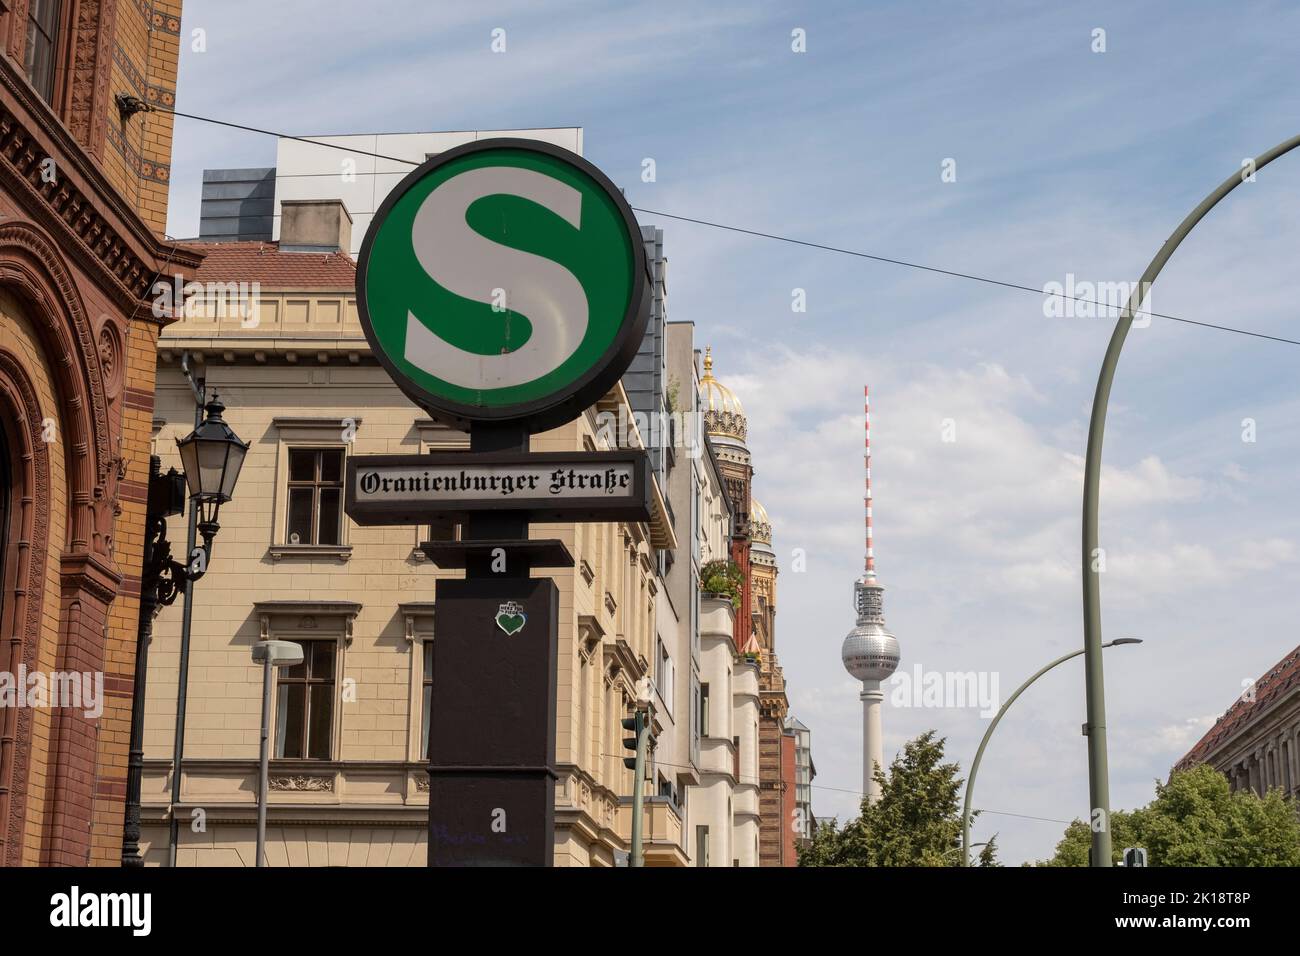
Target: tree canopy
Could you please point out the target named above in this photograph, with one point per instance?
(916, 821)
(1196, 820)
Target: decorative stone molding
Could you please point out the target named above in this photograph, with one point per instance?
(159, 20)
(32, 481)
(306, 613)
(726, 423)
(590, 634)
(280, 551)
(88, 80)
(111, 357)
(301, 783)
(89, 220)
(34, 267)
(411, 613)
(324, 422)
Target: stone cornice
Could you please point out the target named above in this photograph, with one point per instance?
(1278, 717)
(81, 209)
(296, 349)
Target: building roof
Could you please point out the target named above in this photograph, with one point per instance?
(1281, 678)
(723, 414)
(265, 263)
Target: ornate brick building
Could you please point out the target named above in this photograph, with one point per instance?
(83, 202)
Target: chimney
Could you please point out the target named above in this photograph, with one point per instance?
(315, 225)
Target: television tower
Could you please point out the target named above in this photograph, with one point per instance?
(870, 652)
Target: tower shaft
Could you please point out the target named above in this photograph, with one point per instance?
(873, 742)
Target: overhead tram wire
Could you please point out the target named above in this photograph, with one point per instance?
(839, 250)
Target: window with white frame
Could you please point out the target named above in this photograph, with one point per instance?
(314, 501)
(304, 712)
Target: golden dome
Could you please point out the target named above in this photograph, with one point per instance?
(760, 525)
(723, 413)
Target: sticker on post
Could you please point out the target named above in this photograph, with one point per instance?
(511, 618)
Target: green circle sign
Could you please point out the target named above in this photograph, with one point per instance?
(504, 281)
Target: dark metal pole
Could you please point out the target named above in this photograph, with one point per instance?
(638, 786)
(135, 760)
(1098, 771)
(182, 679)
(154, 542)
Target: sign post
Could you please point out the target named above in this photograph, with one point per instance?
(503, 286)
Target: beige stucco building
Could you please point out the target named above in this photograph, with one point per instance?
(348, 782)
(722, 794)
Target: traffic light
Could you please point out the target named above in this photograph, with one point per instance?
(1135, 856)
(638, 725)
(632, 725)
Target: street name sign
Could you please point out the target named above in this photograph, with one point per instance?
(546, 486)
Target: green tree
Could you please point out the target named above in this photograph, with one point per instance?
(1196, 820)
(916, 821)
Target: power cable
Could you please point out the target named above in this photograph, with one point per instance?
(838, 250)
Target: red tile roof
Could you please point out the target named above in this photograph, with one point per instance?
(263, 262)
(1284, 676)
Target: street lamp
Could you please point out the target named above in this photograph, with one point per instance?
(975, 764)
(269, 654)
(1093, 679)
(211, 456)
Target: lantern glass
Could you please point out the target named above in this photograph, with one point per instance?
(212, 456)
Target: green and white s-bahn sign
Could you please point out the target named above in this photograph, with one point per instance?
(504, 281)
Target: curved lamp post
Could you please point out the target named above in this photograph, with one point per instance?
(1098, 772)
(979, 754)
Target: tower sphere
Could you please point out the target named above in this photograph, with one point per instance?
(869, 652)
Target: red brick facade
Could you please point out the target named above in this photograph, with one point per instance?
(82, 204)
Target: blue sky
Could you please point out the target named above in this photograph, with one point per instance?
(1068, 161)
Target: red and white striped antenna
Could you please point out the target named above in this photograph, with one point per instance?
(866, 414)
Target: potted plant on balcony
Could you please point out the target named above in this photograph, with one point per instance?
(722, 579)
